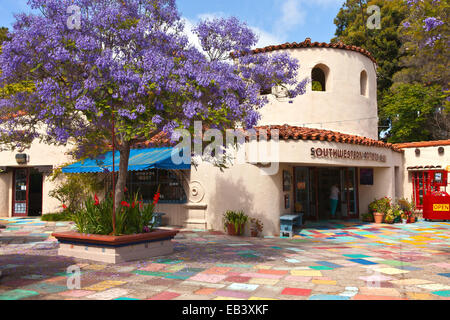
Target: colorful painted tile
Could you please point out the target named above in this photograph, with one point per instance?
(168, 261)
(410, 282)
(45, 287)
(324, 282)
(327, 297)
(238, 279)
(434, 286)
(205, 291)
(211, 278)
(17, 294)
(320, 268)
(306, 273)
(356, 256)
(243, 287)
(217, 270)
(391, 271)
(110, 294)
(363, 262)
(167, 295)
(76, 293)
(105, 285)
(232, 294)
(154, 267)
(443, 293)
(296, 292)
(269, 282)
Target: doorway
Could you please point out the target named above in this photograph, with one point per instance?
(313, 189)
(27, 192)
(327, 177)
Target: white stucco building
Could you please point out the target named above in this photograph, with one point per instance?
(327, 136)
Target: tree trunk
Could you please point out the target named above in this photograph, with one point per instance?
(123, 173)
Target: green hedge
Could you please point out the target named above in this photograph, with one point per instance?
(57, 217)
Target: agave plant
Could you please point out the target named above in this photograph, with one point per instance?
(236, 219)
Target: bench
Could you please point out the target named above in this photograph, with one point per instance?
(289, 222)
(157, 219)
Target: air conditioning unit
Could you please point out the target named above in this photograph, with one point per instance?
(22, 158)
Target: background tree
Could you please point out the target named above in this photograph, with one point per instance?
(425, 36)
(384, 44)
(411, 49)
(130, 60)
(410, 108)
(3, 34)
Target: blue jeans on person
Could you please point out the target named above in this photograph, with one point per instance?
(333, 206)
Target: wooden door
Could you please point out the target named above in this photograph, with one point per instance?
(20, 192)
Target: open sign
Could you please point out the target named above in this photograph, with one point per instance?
(441, 207)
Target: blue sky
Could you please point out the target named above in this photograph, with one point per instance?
(275, 21)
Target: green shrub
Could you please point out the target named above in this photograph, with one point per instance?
(74, 189)
(63, 216)
(381, 205)
(133, 217)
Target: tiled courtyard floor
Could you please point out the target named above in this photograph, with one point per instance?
(341, 260)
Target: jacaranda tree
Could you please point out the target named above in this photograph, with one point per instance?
(129, 59)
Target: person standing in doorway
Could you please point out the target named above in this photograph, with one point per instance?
(334, 199)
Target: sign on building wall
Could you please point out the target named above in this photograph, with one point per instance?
(329, 153)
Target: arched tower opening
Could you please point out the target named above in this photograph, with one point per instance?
(319, 77)
(364, 83)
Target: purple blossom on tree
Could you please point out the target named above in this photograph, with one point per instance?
(131, 59)
(432, 23)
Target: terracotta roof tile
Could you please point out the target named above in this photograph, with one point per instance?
(287, 132)
(423, 144)
(307, 44)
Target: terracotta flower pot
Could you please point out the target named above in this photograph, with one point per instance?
(232, 230)
(378, 217)
(254, 233)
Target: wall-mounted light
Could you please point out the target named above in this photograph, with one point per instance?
(441, 150)
(417, 152)
(22, 158)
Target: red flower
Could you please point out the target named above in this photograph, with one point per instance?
(141, 205)
(64, 206)
(156, 198)
(97, 202)
(125, 204)
(133, 205)
(125, 189)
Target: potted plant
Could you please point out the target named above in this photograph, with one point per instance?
(257, 227)
(405, 216)
(408, 207)
(379, 208)
(234, 222)
(367, 217)
(390, 217)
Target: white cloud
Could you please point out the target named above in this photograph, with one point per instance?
(193, 39)
(292, 13)
(266, 38)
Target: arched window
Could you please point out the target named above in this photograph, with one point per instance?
(319, 77)
(363, 83)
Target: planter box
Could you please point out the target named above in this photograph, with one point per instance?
(115, 249)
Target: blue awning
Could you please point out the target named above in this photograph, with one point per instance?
(140, 159)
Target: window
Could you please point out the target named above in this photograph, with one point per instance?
(363, 83)
(319, 77)
(147, 182)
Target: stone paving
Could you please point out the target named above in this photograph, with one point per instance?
(331, 261)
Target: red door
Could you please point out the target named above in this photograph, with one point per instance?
(20, 192)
